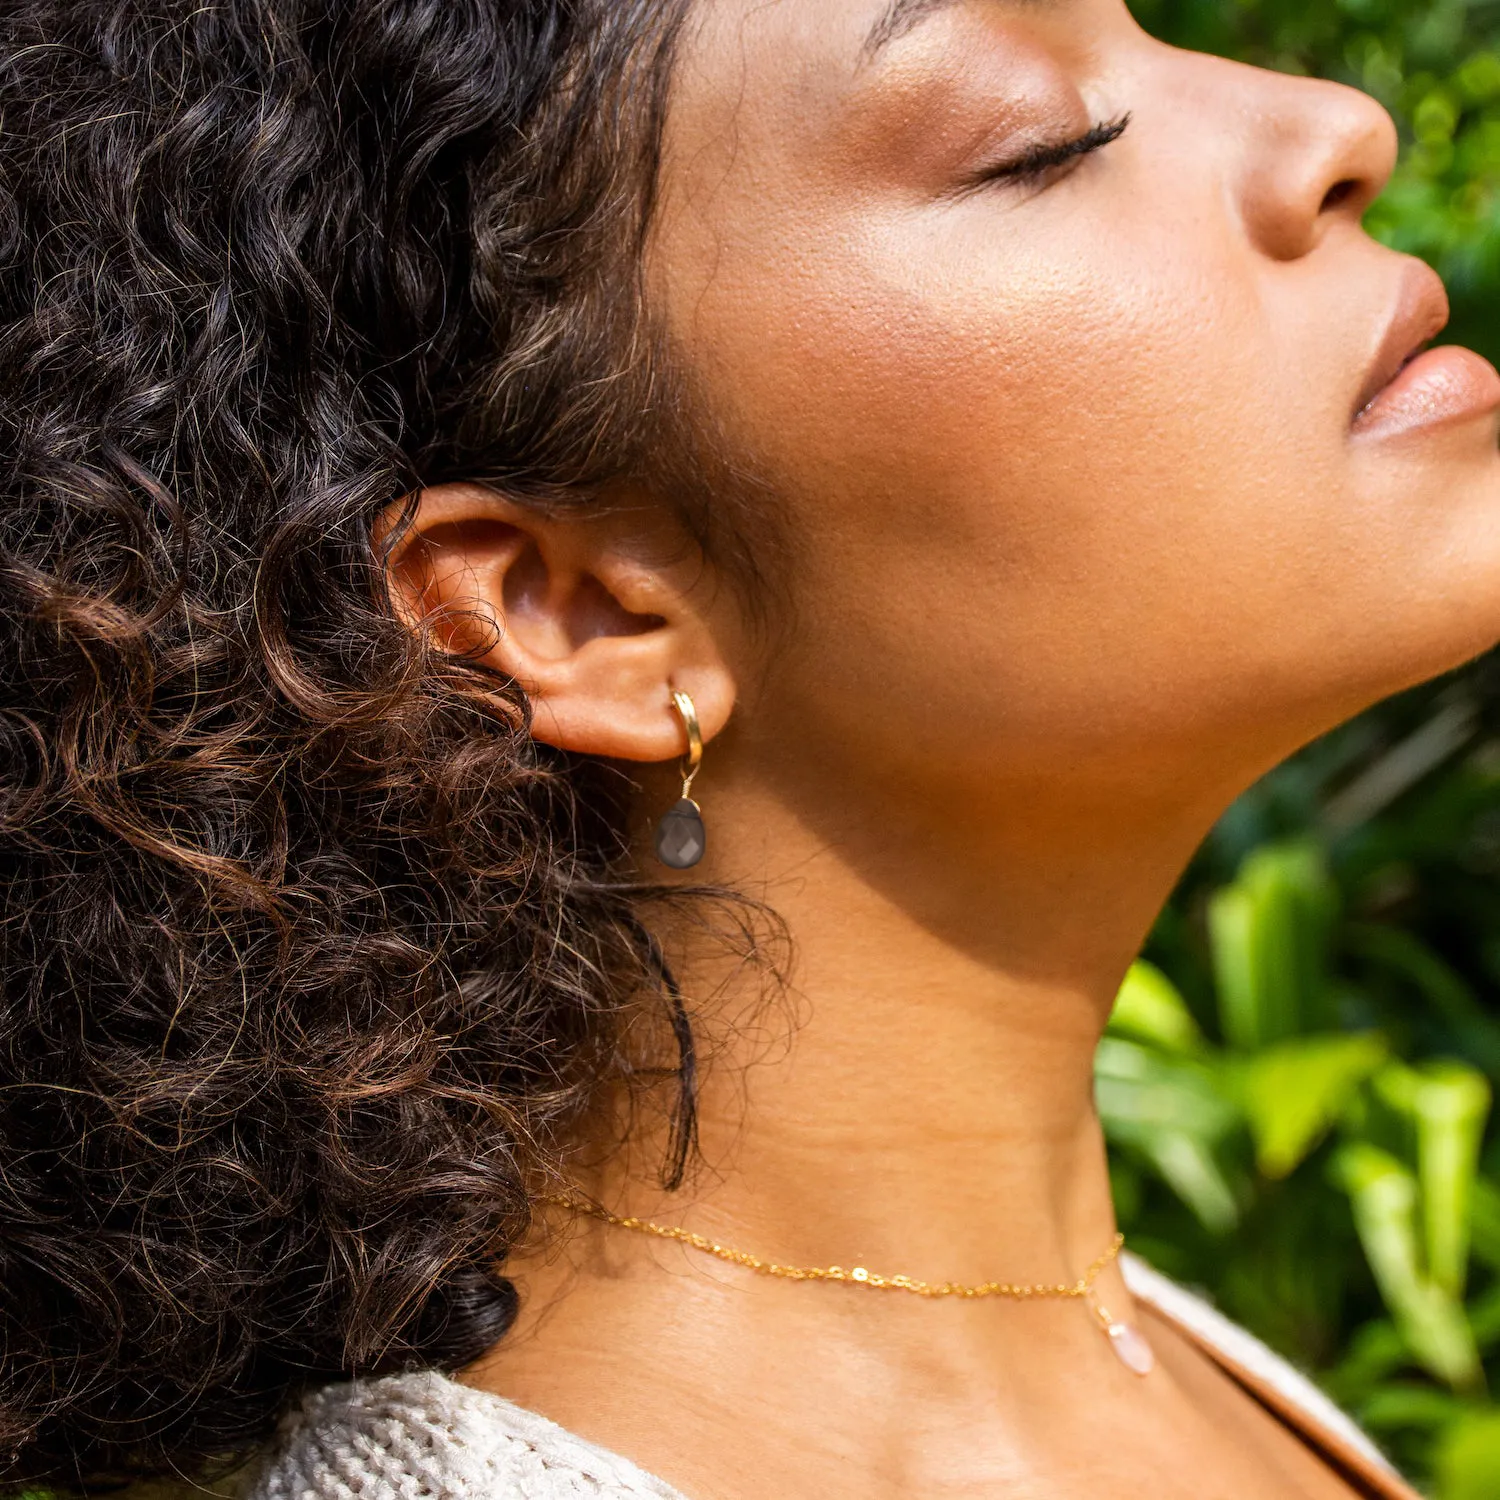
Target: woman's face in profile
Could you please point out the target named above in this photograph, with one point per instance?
(1060, 346)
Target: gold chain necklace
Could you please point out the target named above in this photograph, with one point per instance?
(1125, 1339)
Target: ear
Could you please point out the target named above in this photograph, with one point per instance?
(599, 618)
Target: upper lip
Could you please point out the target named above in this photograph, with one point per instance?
(1421, 313)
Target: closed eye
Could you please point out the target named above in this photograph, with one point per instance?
(1037, 161)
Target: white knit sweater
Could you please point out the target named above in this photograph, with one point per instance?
(425, 1437)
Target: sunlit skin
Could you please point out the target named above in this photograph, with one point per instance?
(1085, 534)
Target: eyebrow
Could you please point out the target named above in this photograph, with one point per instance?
(899, 18)
(903, 16)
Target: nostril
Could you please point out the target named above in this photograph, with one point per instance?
(1339, 194)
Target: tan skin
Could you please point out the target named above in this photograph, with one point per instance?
(1085, 536)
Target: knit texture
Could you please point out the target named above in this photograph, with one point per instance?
(425, 1437)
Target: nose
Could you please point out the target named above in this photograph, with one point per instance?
(1315, 155)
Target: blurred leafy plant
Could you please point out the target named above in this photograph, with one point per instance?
(1297, 1081)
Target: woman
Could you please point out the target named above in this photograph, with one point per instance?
(988, 433)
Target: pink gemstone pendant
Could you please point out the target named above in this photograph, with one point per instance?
(1131, 1348)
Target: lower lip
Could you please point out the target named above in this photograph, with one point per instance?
(1438, 387)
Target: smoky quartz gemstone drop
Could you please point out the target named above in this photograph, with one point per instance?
(681, 840)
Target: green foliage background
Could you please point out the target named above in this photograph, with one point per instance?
(1298, 1080)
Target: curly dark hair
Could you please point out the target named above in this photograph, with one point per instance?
(311, 962)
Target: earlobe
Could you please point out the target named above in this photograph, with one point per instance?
(598, 621)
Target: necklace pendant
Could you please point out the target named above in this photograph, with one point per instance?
(1131, 1347)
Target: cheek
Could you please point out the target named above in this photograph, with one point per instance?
(1081, 491)
(1028, 454)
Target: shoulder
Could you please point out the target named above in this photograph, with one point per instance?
(1285, 1388)
(426, 1435)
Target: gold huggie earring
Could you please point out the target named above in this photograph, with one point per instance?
(681, 840)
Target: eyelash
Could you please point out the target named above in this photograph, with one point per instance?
(1036, 162)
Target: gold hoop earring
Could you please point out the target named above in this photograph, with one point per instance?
(681, 839)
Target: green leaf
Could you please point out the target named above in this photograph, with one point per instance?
(1143, 1089)
(1383, 1195)
(1484, 1222)
(1405, 1404)
(1173, 1112)
(1374, 1353)
(1452, 1104)
(1397, 1086)
(1293, 1093)
(1484, 1318)
(1269, 932)
(1468, 1459)
(1188, 1167)
(1150, 1009)
(1447, 1105)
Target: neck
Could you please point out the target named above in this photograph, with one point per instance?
(922, 1106)
(926, 1110)
(930, 1112)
